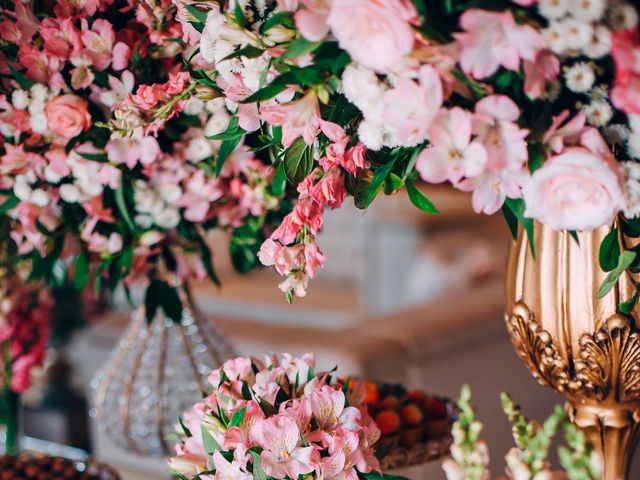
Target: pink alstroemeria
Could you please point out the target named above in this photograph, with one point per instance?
(200, 192)
(493, 39)
(410, 106)
(537, 74)
(99, 42)
(226, 470)
(61, 38)
(282, 456)
(300, 118)
(311, 19)
(243, 437)
(299, 410)
(327, 404)
(557, 137)
(453, 155)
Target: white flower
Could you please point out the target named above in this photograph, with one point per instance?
(39, 93)
(39, 124)
(145, 198)
(211, 34)
(588, 10)
(69, 193)
(20, 99)
(633, 145)
(21, 188)
(554, 38)
(193, 106)
(39, 197)
(600, 43)
(50, 175)
(580, 77)
(599, 113)
(253, 70)
(371, 135)
(215, 106)
(143, 221)
(616, 134)
(167, 218)
(151, 238)
(218, 123)
(115, 243)
(553, 9)
(577, 34)
(198, 149)
(632, 183)
(634, 122)
(89, 187)
(362, 88)
(170, 192)
(622, 17)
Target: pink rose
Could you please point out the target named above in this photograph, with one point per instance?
(625, 49)
(67, 116)
(376, 33)
(576, 190)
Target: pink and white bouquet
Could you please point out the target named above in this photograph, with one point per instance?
(90, 187)
(25, 313)
(277, 419)
(529, 105)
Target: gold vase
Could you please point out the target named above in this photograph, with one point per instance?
(575, 343)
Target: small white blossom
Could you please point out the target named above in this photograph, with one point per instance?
(588, 10)
(577, 34)
(580, 77)
(151, 237)
(616, 134)
(143, 221)
(253, 71)
(198, 149)
(21, 188)
(362, 88)
(371, 135)
(553, 9)
(211, 34)
(632, 183)
(634, 122)
(170, 192)
(115, 243)
(39, 124)
(554, 38)
(167, 218)
(39, 197)
(622, 16)
(145, 198)
(218, 123)
(20, 99)
(633, 145)
(193, 106)
(600, 43)
(599, 113)
(69, 193)
(39, 93)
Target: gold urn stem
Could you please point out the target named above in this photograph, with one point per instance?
(613, 431)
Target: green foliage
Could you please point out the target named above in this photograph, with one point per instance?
(160, 294)
(298, 161)
(625, 260)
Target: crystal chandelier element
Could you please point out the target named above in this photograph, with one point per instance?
(157, 370)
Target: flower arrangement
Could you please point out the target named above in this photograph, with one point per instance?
(277, 419)
(530, 105)
(527, 461)
(88, 187)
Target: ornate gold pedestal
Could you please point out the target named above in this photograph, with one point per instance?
(577, 344)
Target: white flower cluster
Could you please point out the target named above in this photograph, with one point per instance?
(24, 190)
(199, 147)
(34, 100)
(156, 206)
(87, 179)
(362, 87)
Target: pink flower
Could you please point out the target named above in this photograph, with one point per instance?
(327, 404)
(410, 106)
(568, 134)
(494, 39)
(120, 88)
(453, 155)
(98, 42)
(537, 74)
(242, 436)
(311, 20)
(299, 410)
(376, 33)
(226, 470)
(280, 436)
(24, 28)
(493, 187)
(60, 37)
(576, 190)
(67, 116)
(200, 192)
(625, 49)
(131, 150)
(314, 258)
(41, 66)
(300, 118)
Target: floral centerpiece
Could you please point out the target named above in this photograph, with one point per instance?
(108, 206)
(25, 313)
(529, 105)
(277, 419)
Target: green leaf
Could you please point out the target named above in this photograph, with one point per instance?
(249, 52)
(536, 156)
(232, 131)
(239, 14)
(81, 275)
(280, 18)
(609, 251)
(625, 260)
(279, 183)
(512, 221)
(298, 161)
(629, 305)
(23, 81)
(419, 200)
(96, 157)
(378, 180)
(161, 294)
(207, 261)
(210, 444)
(517, 207)
(199, 15)
(122, 207)
(258, 473)
(226, 148)
(299, 47)
(238, 417)
(9, 204)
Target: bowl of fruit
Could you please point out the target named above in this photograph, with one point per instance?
(415, 426)
(34, 466)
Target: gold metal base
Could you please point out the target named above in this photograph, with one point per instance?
(578, 345)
